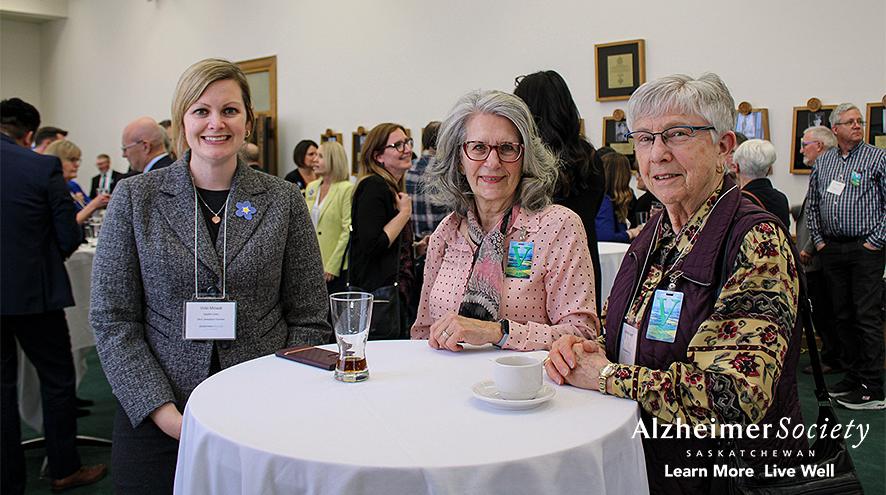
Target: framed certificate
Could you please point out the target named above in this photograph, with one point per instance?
(620, 69)
(331, 135)
(358, 138)
(615, 131)
(752, 122)
(813, 114)
(875, 132)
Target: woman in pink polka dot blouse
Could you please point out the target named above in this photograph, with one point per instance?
(506, 267)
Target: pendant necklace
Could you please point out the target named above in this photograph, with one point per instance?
(215, 214)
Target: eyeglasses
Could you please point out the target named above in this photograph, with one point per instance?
(804, 144)
(672, 136)
(130, 145)
(852, 122)
(401, 145)
(479, 151)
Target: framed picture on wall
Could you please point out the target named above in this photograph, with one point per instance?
(875, 132)
(261, 73)
(358, 138)
(813, 114)
(331, 135)
(620, 68)
(615, 134)
(752, 122)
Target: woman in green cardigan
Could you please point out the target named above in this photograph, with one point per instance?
(329, 201)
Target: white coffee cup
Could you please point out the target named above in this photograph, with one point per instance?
(517, 377)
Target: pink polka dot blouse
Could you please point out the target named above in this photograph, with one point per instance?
(557, 299)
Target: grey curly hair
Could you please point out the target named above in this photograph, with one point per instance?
(445, 183)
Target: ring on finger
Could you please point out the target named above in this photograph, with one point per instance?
(444, 335)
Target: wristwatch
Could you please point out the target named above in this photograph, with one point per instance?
(505, 333)
(605, 373)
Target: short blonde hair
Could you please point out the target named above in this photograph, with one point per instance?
(63, 149)
(336, 159)
(191, 86)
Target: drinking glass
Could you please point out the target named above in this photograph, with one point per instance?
(351, 316)
(93, 228)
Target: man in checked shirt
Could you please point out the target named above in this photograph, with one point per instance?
(846, 208)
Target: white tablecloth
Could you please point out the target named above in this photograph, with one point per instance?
(79, 267)
(274, 426)
(611, 254)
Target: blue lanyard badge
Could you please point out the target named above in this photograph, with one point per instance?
(519, 259)
(664, 316)
(855, 178)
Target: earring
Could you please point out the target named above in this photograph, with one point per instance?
(248, 133)
(720, 168)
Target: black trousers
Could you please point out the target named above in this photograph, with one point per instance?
(823, 319)
(45, 340)
(854, 277)
(142, 458)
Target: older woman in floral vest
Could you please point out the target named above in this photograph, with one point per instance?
(701, 324)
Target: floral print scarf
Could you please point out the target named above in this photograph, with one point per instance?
(483, 294)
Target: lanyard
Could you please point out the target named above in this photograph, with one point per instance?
(224, 248)
(683, 252)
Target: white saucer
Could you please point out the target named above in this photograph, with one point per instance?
(487, 392)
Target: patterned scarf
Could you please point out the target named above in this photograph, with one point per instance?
(483, 293)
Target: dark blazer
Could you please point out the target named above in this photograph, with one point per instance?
(373, 261)
(296, 178)
(774, 201)
(115, 178)
(144, 272)
(162, 163)
(38, 231)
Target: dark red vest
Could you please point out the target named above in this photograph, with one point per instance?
(716, 247)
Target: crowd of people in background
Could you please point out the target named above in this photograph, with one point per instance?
(489, 235)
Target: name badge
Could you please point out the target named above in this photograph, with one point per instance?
(519, 259)
(664, 316)
(628, 348)
(855, 178)
(836, 187)
(210, 320)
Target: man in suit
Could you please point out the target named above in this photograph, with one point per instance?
(107, 178)
(37, 231)
(143, 146)
(46, 136)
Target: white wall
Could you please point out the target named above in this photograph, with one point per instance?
(350, 63)
(20, 61)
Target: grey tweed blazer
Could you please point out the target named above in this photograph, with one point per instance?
(144, 272)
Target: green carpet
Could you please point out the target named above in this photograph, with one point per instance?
(869, 457)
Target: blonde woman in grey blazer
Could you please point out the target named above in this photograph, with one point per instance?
(144, 273)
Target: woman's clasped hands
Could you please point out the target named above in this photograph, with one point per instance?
(576, 361)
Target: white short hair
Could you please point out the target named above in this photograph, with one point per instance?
(707, 97)
(823, 135)
(755, 157)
